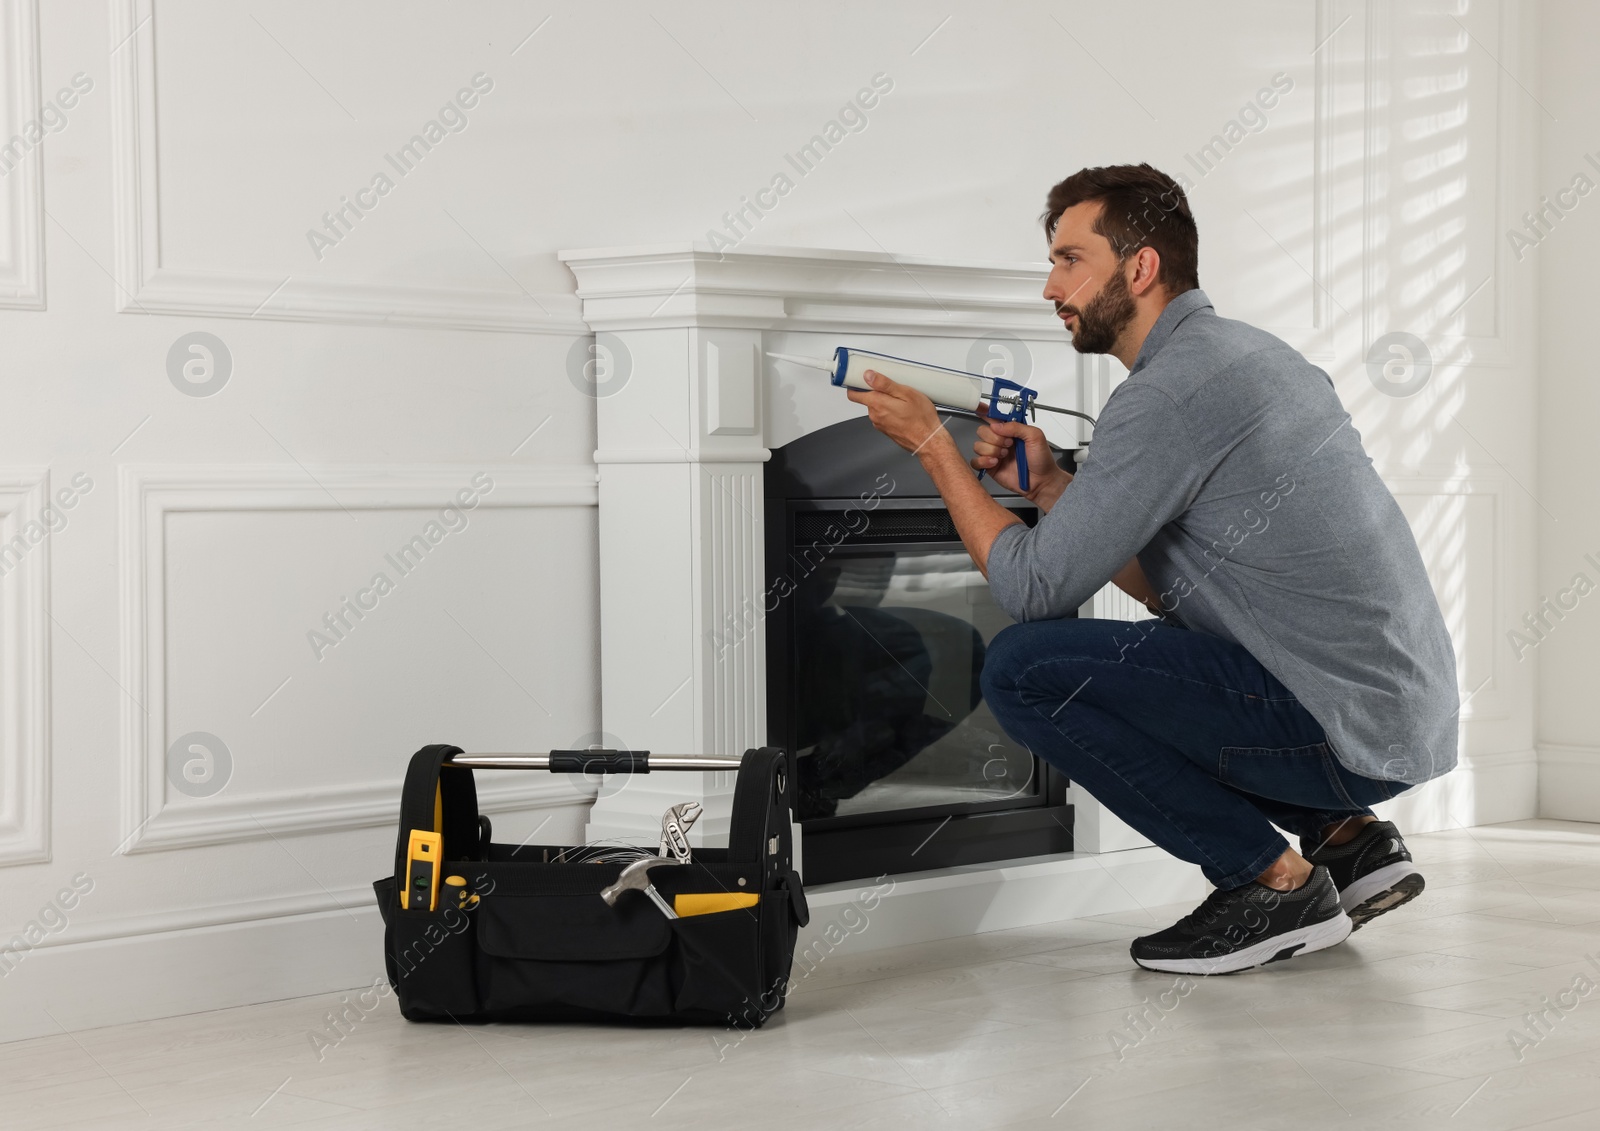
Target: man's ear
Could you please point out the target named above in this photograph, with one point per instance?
(1146, 268)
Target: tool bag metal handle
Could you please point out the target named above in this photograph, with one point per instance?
(597, 760)
(440, 795)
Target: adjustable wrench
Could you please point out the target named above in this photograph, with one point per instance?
(675, 825)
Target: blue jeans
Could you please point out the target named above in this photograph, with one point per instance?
(1183, 735)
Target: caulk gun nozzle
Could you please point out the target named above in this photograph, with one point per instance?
(809, 362)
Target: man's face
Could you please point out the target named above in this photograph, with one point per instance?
(1087, 283)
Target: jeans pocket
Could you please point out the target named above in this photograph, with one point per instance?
(1296, 775)
(1362, 791)
(1336, 778)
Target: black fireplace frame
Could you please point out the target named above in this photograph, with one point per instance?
(850, 466)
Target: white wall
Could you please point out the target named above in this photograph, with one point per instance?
(435, 341)
(1567, 652)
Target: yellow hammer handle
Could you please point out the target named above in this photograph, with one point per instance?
(708, 902)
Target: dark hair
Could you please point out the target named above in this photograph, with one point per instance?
(1143, 208)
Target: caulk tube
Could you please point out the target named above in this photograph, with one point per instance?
(949, 387)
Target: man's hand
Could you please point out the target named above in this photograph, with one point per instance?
(900, 412)
(995, 452)
(910, 419)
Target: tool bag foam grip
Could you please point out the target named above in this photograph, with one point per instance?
(541, 945)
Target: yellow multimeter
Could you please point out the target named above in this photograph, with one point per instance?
(422, 871)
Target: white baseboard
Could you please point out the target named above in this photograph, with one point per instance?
(111, 981)
(1569, 782)
(1483, 789)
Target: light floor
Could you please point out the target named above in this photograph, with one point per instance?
(1408, 1024)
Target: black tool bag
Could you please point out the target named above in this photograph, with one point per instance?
(540, 944)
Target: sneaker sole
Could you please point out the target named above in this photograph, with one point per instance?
(1381, 891)
(1302, 940)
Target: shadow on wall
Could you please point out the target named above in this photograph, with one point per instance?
(1402, 285)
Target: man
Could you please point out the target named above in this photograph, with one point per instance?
(1300, 670)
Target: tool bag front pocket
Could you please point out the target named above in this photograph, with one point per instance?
(429, 957)
(572, 956)
(717, 966)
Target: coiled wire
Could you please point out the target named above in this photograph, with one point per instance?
(612, 850)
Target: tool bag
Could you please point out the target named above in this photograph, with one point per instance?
(540, 944)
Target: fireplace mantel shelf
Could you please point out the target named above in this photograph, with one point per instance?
(820, 289)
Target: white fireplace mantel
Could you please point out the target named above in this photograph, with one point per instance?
(781, 288)
(687, 409)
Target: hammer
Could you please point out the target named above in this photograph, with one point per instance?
(636, 877)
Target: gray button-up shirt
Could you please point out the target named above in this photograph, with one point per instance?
(1226, 463)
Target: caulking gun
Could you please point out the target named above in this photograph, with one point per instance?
(952, 390)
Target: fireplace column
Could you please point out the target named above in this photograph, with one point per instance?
(683, 661)
(680, 455)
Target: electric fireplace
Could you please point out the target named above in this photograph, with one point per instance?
(877, 625)
(716, 466)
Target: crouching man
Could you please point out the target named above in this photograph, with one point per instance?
(1299, 671)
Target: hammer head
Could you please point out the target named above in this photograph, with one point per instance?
(636, 876)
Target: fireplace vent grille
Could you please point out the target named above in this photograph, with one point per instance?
(869, 528)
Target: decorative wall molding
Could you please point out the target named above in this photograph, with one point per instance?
(1568, 754)
(1494, 760)
(169, 291)
(1569, 781)
(24, 669)
(1324, 159)
(21, 193)
(259, 816)
(148, 285)
(1490, 350)
(146, 494)
(1316, 341)
(125, 928)
(1484, 698)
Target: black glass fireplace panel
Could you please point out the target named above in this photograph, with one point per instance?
(888, 713)
(876, 627)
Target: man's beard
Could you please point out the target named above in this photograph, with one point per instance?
(1103, 318)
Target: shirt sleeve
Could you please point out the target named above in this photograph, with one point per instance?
(1142, 472)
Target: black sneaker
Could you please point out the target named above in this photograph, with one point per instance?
(1373, 872)
(1237, 928)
